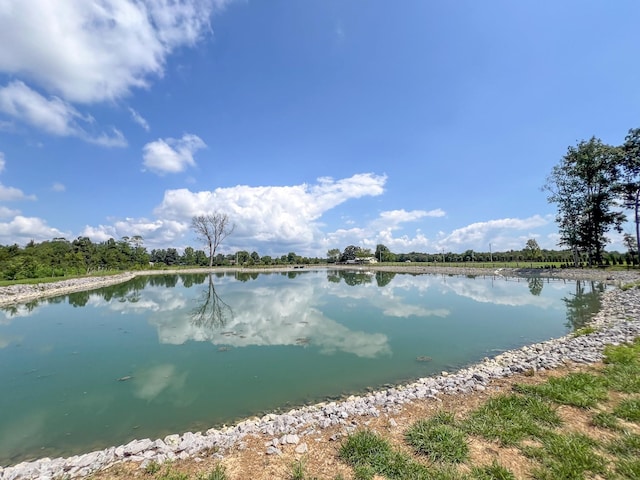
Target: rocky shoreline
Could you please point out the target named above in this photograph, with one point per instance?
(617, 322)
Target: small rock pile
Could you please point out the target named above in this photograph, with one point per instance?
(618, 322)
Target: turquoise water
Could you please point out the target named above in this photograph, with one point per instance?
(166, 354)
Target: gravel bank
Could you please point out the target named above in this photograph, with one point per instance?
(617, 322)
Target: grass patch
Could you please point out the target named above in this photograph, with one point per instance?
(628, 409)
(219, 472)
(570, 456)
(578, 389)
(623, 367)
(623, 377)
(512, 418)
(627, 444)
(606, 420)
(439, 438)
(626, 354)
(369, 454)
(584, 331)
(495, 471)
(628, 467)
(152, 468)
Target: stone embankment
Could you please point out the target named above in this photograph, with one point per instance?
(27, 293)
(617, 322)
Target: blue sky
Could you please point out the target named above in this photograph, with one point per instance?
(423, 125)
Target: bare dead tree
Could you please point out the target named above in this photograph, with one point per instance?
(212, 229)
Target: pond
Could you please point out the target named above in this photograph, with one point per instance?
(172, 353)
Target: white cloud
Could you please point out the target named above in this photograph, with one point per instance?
(171, 155)
(58, 187)
(155, 233)
(6, 212)
(283, 215)
(139, 119)
(278, 219)
(97, 50)
(8, 194)
(270, 219)
(479, 235)
(2, 162)
(23, 229)
(53, 115)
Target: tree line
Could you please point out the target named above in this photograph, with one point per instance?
(531, 252)
(60, 257)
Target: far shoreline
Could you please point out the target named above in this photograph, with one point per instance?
(24, 293)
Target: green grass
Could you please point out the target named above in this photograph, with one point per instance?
(510, 418)
(628, 409)
(627, 354)
(628, 467)
(439, 438)
(623, 378)
(627, 444)
(495, 471)
(584, 331)
(219, 472)
(570, 456)
(152, 467)
(606, 420)
(369, 454)
(577, 389)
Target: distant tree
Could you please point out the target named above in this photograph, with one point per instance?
(189, 256)
(363, 253)
(349, 253)
(584, 187)
(212, 229)
(532, 249)
(255, 257)
(293, 258)
(242, 257)
(383, 254)
(333, 255)
(630, 242)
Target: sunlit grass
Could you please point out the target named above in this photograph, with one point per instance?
(577, 389)
(439, 439)
(512, 418)
(570, 456)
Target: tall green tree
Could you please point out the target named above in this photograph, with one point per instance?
(532, 249)
(383, 254)
(584, 187)
(630, 181)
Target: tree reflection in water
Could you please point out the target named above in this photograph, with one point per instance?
(211, 312)
(535, 285)
(582, 305)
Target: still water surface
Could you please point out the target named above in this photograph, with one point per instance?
(166, 354)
